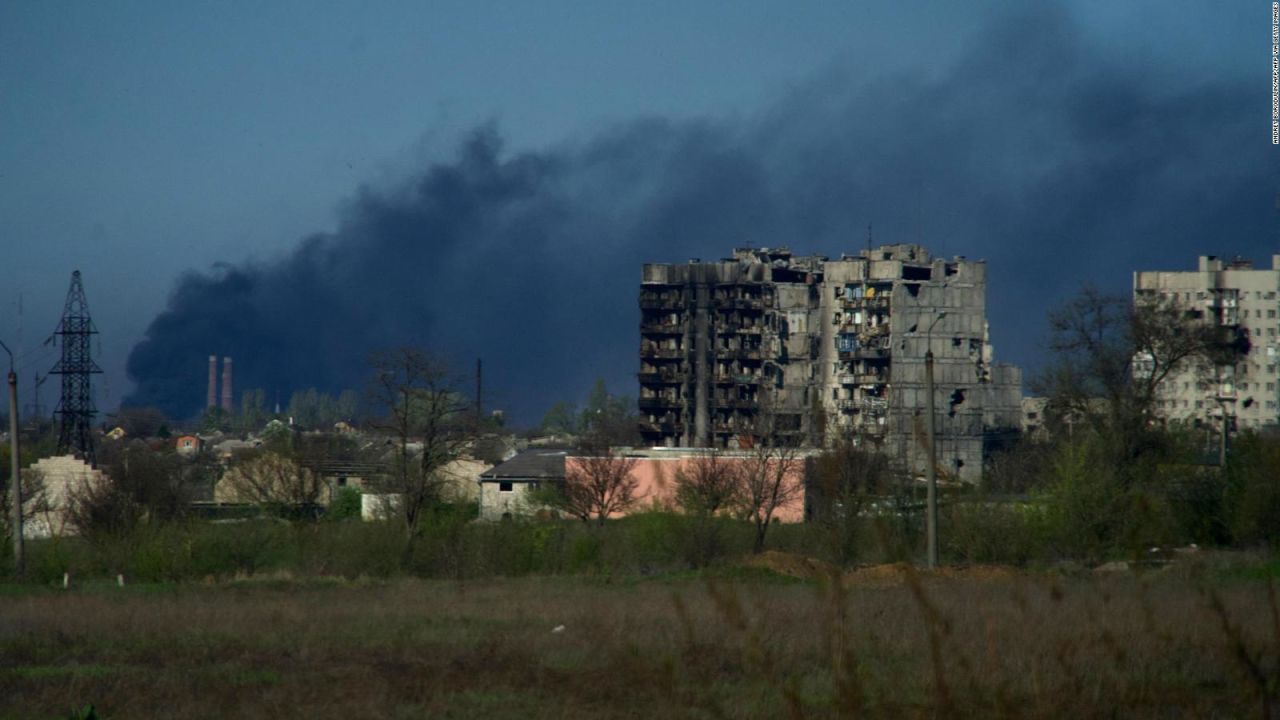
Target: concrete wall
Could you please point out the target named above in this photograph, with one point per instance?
(656, 476)
(48, 485)
(496, 503)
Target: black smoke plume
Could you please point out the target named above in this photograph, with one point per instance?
(1053, 160)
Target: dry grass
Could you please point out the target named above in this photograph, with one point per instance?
(880, 643)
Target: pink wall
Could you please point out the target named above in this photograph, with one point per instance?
(657, 484)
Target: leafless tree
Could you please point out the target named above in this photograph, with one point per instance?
(419, 401)
(708, 483)
(769, 478)
(598, 482)
(276, 480)
(844, 480)
(1112, 355)
(140, 485)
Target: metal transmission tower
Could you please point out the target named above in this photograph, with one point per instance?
(75, 409)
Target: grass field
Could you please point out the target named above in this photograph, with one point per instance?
(1199, 639)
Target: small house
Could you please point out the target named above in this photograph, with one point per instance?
(506, 490)
(187, 444)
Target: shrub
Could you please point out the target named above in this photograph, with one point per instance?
(1253, 490)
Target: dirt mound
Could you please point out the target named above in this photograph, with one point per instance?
(897, 573)
(879, 575)
(886, 575)
(792, 565)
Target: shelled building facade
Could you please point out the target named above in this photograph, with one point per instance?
(801, 350)
(1238, 297)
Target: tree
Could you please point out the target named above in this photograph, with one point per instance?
(1112, 356)
(843, 481)
(214, 419)
(561, 419)
(706, 485)
(610, 418)
(597, 481)
(417, 398)
(253, 410)
(1253, 490)
(770, 478)
(140, 422)
(142, 485)
(276, 480)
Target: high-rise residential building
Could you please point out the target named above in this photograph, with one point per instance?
(803, 350)
(1235, 295)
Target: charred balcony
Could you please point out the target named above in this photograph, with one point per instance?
(663, 377)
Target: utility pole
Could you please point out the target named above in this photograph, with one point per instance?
(15, 478)
(931, 511)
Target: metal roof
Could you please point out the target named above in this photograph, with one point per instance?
(532, 464)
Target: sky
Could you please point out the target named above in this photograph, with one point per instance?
(296, 184)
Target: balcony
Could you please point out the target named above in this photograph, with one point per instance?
(662, 329)
(872, 303)
(650, 352)
(737, 379)
(743, 303)
(664, 427)
(863, 352)
(662, 378)
(661, 303)
(862, 378)
(649, 404)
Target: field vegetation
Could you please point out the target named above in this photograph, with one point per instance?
(779, 636)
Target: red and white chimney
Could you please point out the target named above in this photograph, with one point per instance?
(226, 384)
(212, 397)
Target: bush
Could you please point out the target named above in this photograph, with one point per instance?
(1253, 490)
(346, 505)
(981, 531)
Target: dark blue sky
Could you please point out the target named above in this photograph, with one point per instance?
(143, 140)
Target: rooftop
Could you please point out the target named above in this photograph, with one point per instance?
(532, 463)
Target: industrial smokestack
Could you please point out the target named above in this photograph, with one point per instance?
(212, 397)
(226, 384)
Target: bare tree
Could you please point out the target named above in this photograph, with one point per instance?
(769, 478)
(844, 481)
(598, 482)
(276, 480)
(420, 402)
(708, 483)
(1114, 354)
(140, 485)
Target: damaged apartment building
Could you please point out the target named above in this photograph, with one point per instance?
(804, 350)
(1245, 300)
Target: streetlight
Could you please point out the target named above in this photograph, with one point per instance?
(931, 510)
(15, 480)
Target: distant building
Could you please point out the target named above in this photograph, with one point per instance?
(187, 444)
(507, 489)
(808, 349)
(1237, 296)
(50, 485)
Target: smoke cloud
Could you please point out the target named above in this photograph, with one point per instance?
(1054, 161)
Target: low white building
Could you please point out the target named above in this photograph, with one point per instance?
(48, 488)
(506, 489)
